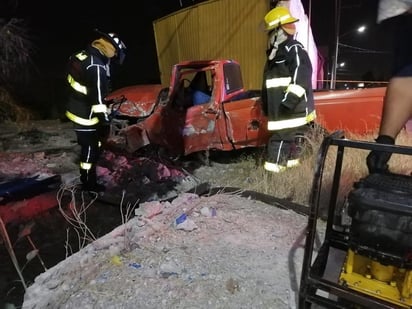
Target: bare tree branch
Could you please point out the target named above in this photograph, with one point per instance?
(15, 52)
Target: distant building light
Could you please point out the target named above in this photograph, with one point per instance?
(361, 85)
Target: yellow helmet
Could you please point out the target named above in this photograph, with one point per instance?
(278, 16)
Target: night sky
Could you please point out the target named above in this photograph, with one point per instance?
(60, 28)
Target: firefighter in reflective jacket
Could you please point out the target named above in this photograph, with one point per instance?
(287, 94)
(88, 79)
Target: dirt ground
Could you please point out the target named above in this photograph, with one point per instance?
(176, 250)
(230, 252)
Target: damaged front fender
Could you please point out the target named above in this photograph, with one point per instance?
(140, 100)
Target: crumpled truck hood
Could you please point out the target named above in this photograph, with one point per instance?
(140, 100)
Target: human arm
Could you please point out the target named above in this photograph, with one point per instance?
(300, 69)
(397, 107)
(99, 88)
(396, 111)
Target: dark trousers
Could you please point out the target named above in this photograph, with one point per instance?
(89, 140)
(285, 145)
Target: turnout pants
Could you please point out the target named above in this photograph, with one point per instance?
(285, 148)
(89, 140)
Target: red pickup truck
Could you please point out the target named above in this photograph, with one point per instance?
(207, 108)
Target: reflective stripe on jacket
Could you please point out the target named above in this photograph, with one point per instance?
(82, 121)
(76, 86)
(291, 123)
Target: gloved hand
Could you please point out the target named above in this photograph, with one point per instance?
(377, 161)
(100, 111)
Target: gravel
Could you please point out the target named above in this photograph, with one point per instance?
(230, 252)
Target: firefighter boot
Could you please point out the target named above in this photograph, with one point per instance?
(277, 154)
(88, 179)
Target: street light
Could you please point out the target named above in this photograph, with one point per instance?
(335, 64)
(360, 29)
(338, 36)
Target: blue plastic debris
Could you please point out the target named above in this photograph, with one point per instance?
(135, 265)
(23, 188)
(182, 218)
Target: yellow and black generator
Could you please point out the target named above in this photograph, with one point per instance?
(362, 258)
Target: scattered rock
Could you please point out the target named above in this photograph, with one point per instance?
(235, 259)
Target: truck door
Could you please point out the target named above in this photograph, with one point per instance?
(200, 131)
(245, 122)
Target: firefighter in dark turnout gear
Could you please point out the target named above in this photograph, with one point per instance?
(88, 79)
(287, 93)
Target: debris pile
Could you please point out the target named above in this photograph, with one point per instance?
(221, 251)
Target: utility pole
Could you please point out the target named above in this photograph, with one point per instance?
(336, 51)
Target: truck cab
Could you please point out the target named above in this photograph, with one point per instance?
(205, 107)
